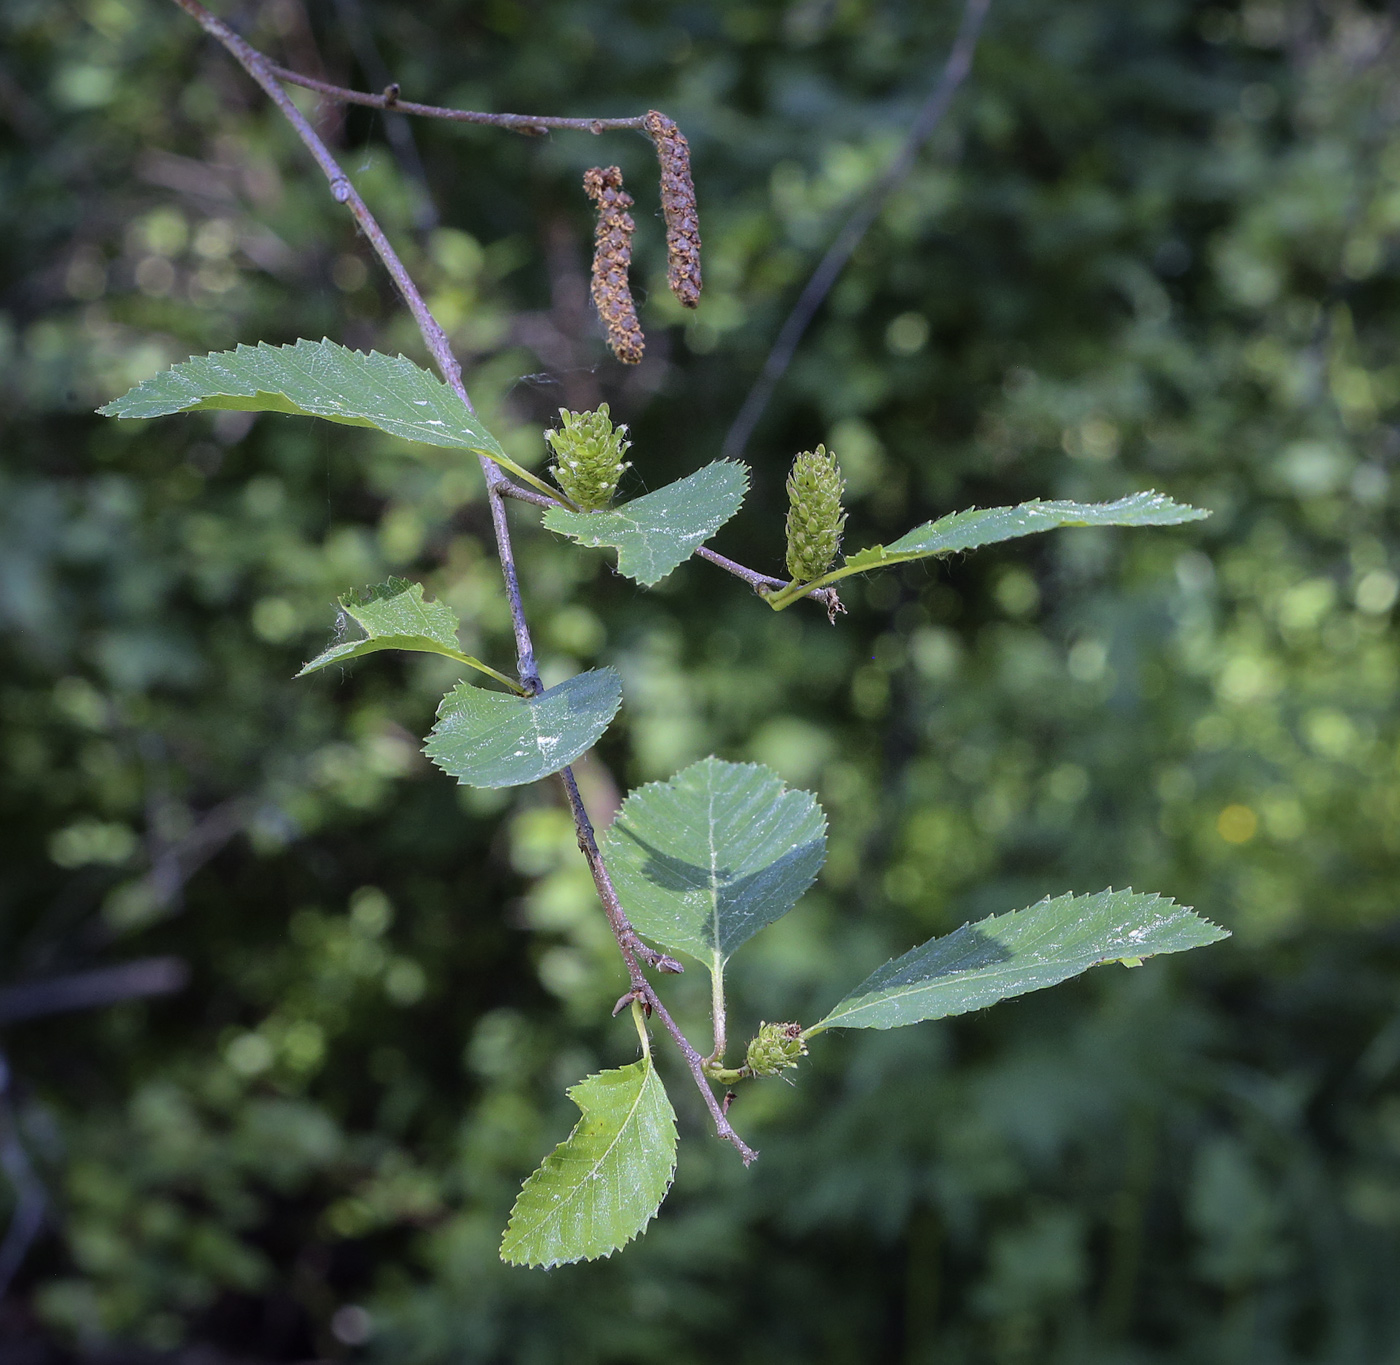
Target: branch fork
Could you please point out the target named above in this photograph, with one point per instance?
(270, 76)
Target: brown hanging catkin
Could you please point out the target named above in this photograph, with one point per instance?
(612, 255)
(678, 204)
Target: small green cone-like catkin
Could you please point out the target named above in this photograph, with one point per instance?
(815, 519)
(588, 453)
(775, 1047)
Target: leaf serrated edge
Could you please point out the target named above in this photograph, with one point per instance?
(374, 644)
(1220, 933)
(593, 540)
(854, 564)
(481, 441)
(649, 1074)
(715, 961)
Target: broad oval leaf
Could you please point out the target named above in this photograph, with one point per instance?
(1026, 950)
(395, 615)
(488, 739)
(655, 533)
(703, 862)
(987, 525)
(604, 1183)
(315, 379)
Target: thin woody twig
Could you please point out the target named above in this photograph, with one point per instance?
(633, 950)
(531, 125)
(397, 129)
(264, 72)
(510, 489)
(761, 583)
(92, 989)
(954, 72)
(343, 192)
(524, 648)
(627, 938)
(31, 1199)
(696, 1063)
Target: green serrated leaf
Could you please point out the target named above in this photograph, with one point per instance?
(321, 379)
(654, 533)
(314, 379)
(1026, 950)
(988, 525)
(605, 1182)
(395, 615)
(485, 739)
(980, 526)
(703, 862)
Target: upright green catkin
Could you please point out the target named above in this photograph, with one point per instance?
(588, 453)
(815, 518)
(775, 1048)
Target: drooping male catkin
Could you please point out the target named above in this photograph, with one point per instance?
(588, 453)
(678, 206)
(612, 255)
(815, 518)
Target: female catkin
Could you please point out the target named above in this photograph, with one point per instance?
(815, 517)
(588, 453)
(679, 208)
(612, 256)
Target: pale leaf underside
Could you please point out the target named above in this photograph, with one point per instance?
(1026, 950)
(604, 1183)
(488, 739)
(703, 862)
(658, 531)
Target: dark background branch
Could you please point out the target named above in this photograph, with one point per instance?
(867, 210)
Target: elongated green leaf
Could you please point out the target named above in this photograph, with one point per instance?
(704, 861)
(394, 615)
(988, 525)
(314, 379)
(1006, 955)
(604, 1183)
(486, 739)
(654, 533)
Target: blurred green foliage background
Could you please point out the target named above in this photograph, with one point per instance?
(1153, 245)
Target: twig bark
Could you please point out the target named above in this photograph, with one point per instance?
(31, 1199)
(930, 114)
(524, 648)
(761, 583)
(93, 989)
(532, 125)
(343, 192)
(627, 938)
(396, 128)
(633, 950)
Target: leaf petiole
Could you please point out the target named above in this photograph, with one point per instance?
(524, 475)
(486, 669)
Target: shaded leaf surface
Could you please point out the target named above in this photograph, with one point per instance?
(314, 379)
(394, 615)
(604, 1183)
(988, 525)
(1008, 955)
(704, 861)
(655, 533)
(489, 739)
